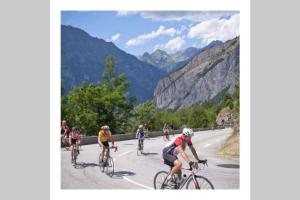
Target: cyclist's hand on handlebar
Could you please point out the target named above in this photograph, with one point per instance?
(204, 162)
(193, 165)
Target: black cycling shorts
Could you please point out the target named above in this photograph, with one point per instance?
(105, 144)
(169, 158)
(73, 141)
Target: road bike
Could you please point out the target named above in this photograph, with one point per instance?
(140, 147)
(64, 143)
(193, 181)
(107, 164)
(75, 155)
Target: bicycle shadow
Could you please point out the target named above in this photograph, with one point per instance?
(148, 153)
(83, 165)
(120, 174)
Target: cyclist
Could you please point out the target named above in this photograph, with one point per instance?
(104, 136)
(64, 131)
(178, 145)
(140, 135)
(166, 130)
(74, 141)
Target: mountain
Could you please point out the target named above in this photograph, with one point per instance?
(82, 59)
(211, 73)
(171, 62)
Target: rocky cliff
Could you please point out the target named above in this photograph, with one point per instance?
(211, 72)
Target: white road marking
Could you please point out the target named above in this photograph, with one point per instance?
(207, 145)
(136, 183)
(126, 152)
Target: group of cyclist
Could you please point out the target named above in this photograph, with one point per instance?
(169, 152)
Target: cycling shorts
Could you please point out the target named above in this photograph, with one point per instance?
(169, 158)
(105, 143)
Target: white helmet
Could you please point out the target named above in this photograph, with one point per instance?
(188, 132)
(141, 126)
(105, 127)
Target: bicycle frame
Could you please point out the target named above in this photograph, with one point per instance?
(192, 175)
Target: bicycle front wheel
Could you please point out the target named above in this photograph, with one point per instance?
(160, 180)
(199, 183)
(110, 166)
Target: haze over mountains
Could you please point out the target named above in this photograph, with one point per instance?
(171, 62)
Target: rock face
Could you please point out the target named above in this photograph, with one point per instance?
(211, 72)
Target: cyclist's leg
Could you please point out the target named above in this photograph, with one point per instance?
(142, 144)
(72, 147)
(177, 168)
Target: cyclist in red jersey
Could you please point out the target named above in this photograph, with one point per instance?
(74, 140)
(65, 130)
(177, 146)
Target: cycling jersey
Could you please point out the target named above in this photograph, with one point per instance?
(104, 135)
(172, 147)
(140, 135)
(75, 135)
(65, 130)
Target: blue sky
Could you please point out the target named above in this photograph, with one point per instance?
(137, 32)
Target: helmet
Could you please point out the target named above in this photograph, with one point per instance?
(188, 132)
(64, 122)
(105, 127)
(74, 128)
(141, 126)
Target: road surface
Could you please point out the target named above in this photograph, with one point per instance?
(137, 172)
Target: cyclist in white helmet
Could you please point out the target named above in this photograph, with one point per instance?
(178, 145)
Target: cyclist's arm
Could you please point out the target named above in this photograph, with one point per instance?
(99, 142)
(183, 154)
(194, 152)
(112, 140)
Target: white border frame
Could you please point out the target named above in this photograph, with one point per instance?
(56, 6)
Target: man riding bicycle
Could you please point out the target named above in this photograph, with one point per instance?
(74, 141)
(104, 136)
(166, 131)
(178, 145)
(140, 135)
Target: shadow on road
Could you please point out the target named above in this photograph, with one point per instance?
(229, 165)
(82, 165)
(120, 174)
(149, 154)
(128, 144)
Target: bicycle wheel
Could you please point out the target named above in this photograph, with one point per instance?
(160, 179)
(101, 164)
(75, 157)
(110, 166)
(201, 183)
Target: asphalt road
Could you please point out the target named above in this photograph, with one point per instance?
(137, 172)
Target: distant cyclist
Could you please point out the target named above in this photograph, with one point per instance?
(65, 130)
(140, 135)
(74, 141)
(166, 131)
(104, 136)
(177, 146)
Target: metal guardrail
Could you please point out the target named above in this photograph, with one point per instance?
(85, 140)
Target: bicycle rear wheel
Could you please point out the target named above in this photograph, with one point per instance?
(110, 166)
(101, 164)
(160, 180)
(201, 183)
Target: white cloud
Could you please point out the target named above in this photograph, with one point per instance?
(115, 37)
(149, 36)
(181, 29)
(171, 45)
(216, 29)
(196, 16)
